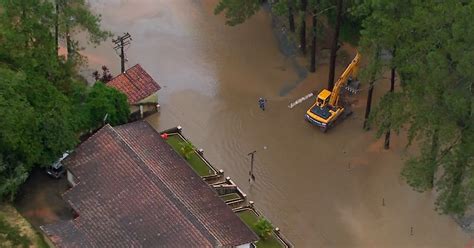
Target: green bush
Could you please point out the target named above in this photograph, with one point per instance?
(263, 228)
(186, 149)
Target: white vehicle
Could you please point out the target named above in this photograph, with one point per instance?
(57, 169)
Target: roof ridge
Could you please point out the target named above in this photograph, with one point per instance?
(121, 73)
(94, 135)
(164, 184)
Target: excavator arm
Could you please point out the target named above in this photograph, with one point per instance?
(351, 71)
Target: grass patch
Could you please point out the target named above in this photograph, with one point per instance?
(250, 218)
(16, 231)
(194, 160)
(40, 242)
(230, 197)
(12, 235)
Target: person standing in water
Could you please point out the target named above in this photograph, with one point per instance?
(261, 103)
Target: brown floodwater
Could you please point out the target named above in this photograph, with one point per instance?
(338, 189)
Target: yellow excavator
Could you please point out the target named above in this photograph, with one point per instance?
(328, 109)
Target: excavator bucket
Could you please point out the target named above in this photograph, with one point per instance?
(353, 87)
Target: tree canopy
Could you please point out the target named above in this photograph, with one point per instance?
(44, 103)
(74, 16)
(434, 60)
(237, 11)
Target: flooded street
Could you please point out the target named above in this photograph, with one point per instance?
(339, 189)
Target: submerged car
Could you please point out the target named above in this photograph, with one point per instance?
(57, 169)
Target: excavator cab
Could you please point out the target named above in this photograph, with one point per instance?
(323, 98)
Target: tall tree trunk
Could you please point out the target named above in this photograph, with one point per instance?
(68, 43)
(392, 88)
(56, 26)
(312, 67)
(304, 4)
(291, 18)
(434, 152)
(368, 105)
(334, 46)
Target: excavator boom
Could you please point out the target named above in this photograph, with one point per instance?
(350, 71)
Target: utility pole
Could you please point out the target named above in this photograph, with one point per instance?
(252, 154)
(120, 43)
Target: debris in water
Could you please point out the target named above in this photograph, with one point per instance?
(304, 98)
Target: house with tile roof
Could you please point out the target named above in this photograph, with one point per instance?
(139, 87)
(131, 189)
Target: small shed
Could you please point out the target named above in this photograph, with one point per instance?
(140, 88)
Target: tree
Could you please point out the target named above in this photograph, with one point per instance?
(36, 127)
(285, 8)
(74, 15)
(44, 104)
(304, 6)
(392, 89)
(105, 77)
(434, 58)
(12, 176)
(186, 149)
(105, 101)
(237, 11)
(334, 45)
(19, 147)
(26, 40)
(291, 18)
(380, 33)
(315, 6)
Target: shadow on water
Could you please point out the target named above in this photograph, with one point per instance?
(40, 200)
(289, 49)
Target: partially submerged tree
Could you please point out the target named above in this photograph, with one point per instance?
(434, 59)
(75, 16)
(302, 27)
(314, 6)
(380, 34)
(335, 44)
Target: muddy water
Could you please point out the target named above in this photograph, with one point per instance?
(339, 189)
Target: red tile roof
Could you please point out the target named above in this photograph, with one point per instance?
(135, 83)
(134, 190)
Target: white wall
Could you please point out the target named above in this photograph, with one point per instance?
(71, 179)
(244, 246)
(153, 98)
